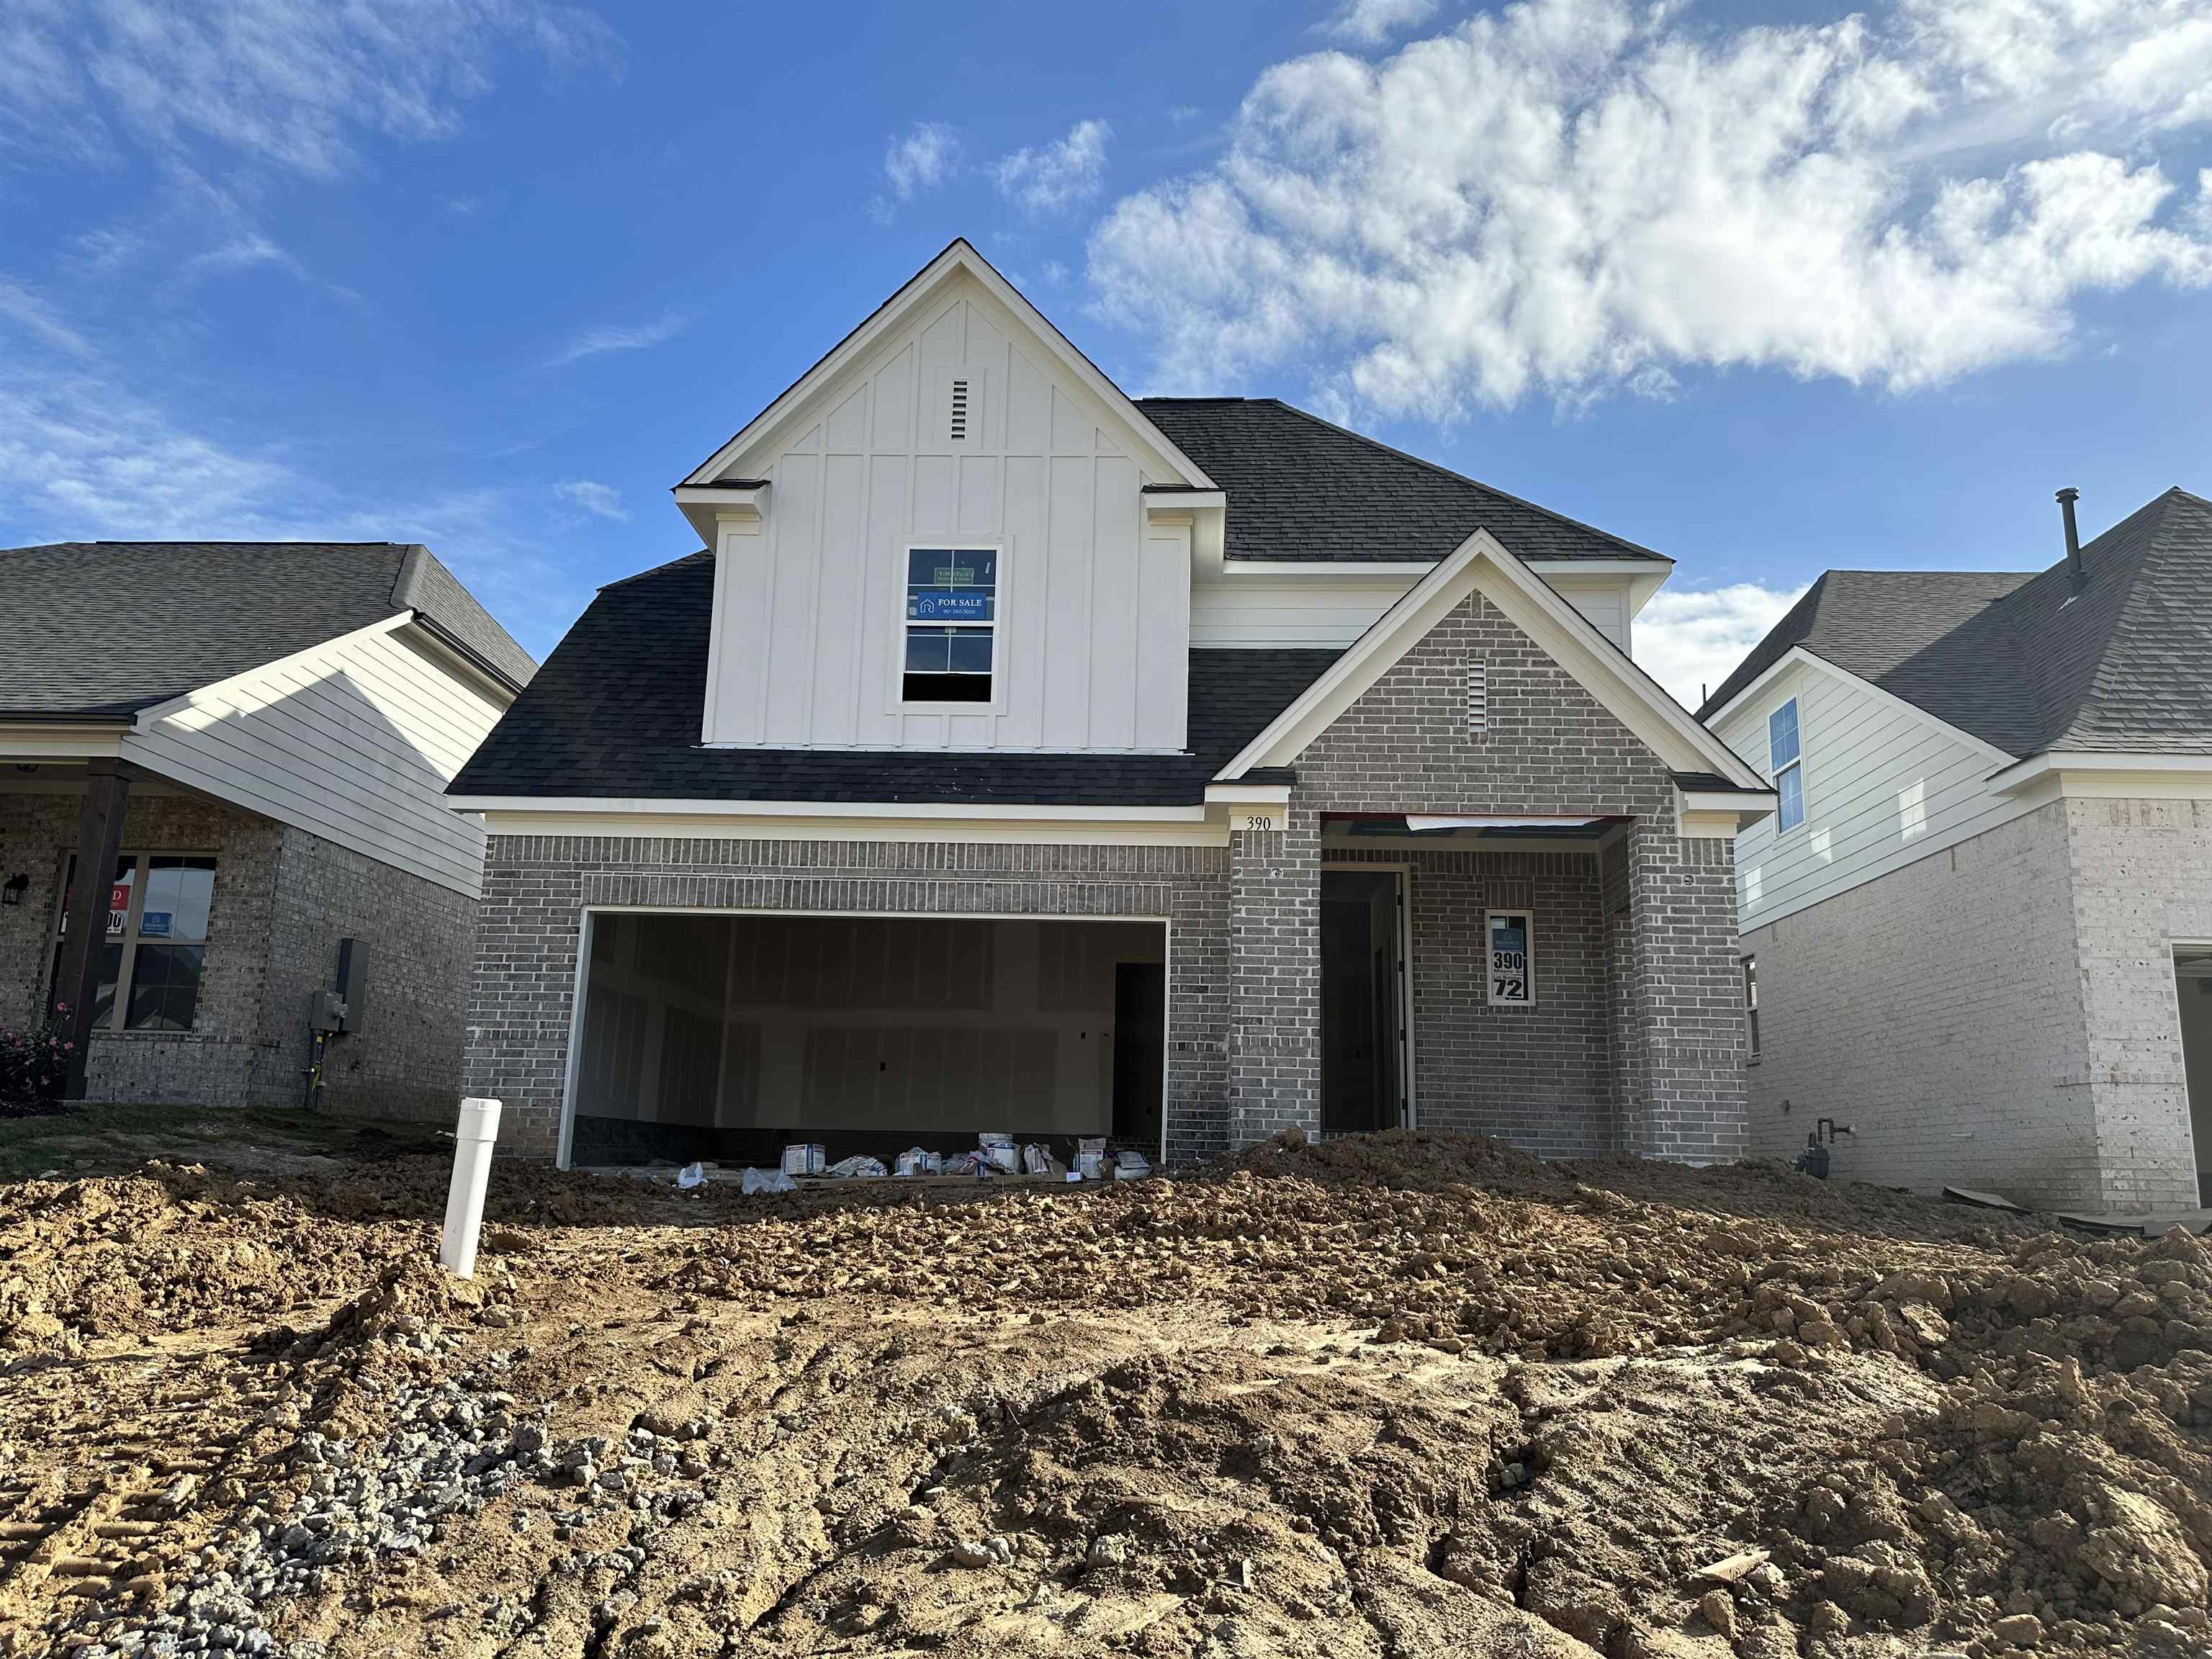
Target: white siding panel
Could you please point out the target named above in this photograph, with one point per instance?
(355, 743)
(1247, 610)
(1886, 785)
(808, 620)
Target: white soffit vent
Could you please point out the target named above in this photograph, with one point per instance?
(1478, 697)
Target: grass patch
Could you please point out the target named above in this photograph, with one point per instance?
(105, 1138)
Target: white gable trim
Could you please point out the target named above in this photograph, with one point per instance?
(1797, 655)
(960, 256)
(1530, 603)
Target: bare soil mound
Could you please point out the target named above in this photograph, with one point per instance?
(1397, 1395)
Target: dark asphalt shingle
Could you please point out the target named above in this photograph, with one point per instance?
(104, 629)
(2019, 659)
(615, 710)
(1298, 487)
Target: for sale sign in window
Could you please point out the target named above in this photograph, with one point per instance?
(1512, 970)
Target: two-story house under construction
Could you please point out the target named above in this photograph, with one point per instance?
(1016, 755)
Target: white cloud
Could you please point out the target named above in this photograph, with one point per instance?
(1058, 174)
(1576, 198)
(291, 82)
(603, 500)
(1689, 643)
(619, 336)
(921, 158)
(1370, 22)
(244, 253)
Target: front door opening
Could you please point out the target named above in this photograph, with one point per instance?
(724, 1037)
(2192, 985)
(1361, 1019)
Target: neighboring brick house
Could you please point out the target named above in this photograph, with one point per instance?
(250, 741)
(1980, 925)
(1016, 755)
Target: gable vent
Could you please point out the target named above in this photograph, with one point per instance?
(1478, 698)
(957, 428)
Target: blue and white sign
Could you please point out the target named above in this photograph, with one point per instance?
(1510, 965)
(931, 604)
(154, 924)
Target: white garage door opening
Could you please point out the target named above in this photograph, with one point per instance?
(727, 1036)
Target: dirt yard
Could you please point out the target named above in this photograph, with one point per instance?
(1402, 1395)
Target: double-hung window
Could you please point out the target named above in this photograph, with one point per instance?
(951, 649)
(1784, 758)
(155, 941)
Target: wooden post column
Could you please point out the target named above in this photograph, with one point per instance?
(99, 843)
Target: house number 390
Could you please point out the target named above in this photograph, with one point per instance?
(1258, 820)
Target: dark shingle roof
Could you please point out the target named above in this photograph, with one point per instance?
(1299, 488)
(102, 630)
(2020, 661)
(615, 712)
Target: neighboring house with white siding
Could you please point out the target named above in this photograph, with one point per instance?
(1016, 755)
(1978, 930)
(250, 741)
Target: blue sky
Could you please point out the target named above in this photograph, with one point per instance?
(493, 273)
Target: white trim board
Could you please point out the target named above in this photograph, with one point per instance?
(1483, 564)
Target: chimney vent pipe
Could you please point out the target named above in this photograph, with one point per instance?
(2077, 574)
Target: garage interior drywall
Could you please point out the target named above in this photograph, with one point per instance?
(726, 1036)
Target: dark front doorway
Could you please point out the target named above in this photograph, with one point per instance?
(1362, 1021)
(1140, 1035)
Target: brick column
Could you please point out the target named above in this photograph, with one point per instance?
(1678, 1015)
(1274, 978)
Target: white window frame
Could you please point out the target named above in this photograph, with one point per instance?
(1797, 764)
(996, 703)
(118, 1023)
(1491, 998)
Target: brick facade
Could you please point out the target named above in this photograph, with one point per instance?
(281, 900)
(1563, 1076)
(2000, 1014)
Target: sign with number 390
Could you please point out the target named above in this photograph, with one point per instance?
(1511, 967)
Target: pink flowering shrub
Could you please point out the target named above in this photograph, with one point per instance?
(33, 1065)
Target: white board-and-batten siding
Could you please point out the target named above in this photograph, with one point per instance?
(1886, 785)
(1093, 606)
(354, 741)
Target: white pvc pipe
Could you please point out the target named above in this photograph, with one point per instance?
(465, 1199)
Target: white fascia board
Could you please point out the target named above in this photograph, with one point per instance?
(1797, 655)
(960, 256)
(933, 811)
(1247, 794)
(1548, 568)
(1720, 814)
(1331, 569)
(2090, 772)
(707, 509)
(1534, 606)
(33, 741)
(1183, 504)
